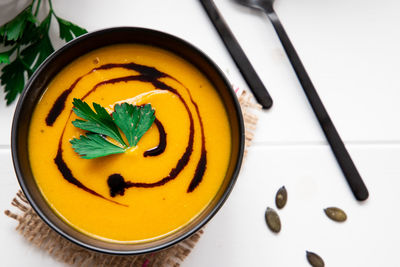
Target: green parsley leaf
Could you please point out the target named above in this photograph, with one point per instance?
(134, 121)
(2, 33)
(68, 30)
(30, 34)
(13, 30)
(5, 56)
(94, 146)
(38, 51)
(44, 48)
(13, 78)
(98, 121)
(31, 43)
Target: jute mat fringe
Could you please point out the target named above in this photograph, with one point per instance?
(39, 234)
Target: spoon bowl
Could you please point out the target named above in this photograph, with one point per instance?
(262, 5)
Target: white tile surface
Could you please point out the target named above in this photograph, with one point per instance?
(350, 49)
(238, 236)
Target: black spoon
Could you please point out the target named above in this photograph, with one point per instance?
(354, 179)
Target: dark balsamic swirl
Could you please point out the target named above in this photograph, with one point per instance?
(67, 174)
(162, 144)
(116, 182)
(59, 104)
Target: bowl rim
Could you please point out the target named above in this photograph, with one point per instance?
(18, 169)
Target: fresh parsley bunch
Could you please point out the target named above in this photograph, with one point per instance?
(25, 44)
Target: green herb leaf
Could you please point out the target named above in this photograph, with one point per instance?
(5, 56)
(98, 121)
(134, 121)
(30, 39)
(94, 146)
(44, 49)
(13, 30)
(40, 49)
(68, 30)
(2, 32)
(30, 33)
(13, 78)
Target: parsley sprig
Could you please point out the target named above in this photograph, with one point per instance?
(25, 44)
(132, 121)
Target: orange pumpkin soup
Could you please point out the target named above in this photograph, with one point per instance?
(154, 188)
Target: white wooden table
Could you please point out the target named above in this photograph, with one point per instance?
(351, 51)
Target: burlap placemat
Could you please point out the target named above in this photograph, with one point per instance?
(41, 235)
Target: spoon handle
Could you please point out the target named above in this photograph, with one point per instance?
(246, 69)
(353, 178)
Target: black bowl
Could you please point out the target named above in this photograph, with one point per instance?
(71, 51)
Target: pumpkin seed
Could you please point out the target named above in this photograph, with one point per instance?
(335, 214)
(273, 221)
(314, 259)
(281, 197)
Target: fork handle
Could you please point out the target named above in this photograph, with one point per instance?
(353, 178)
(246, 69)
